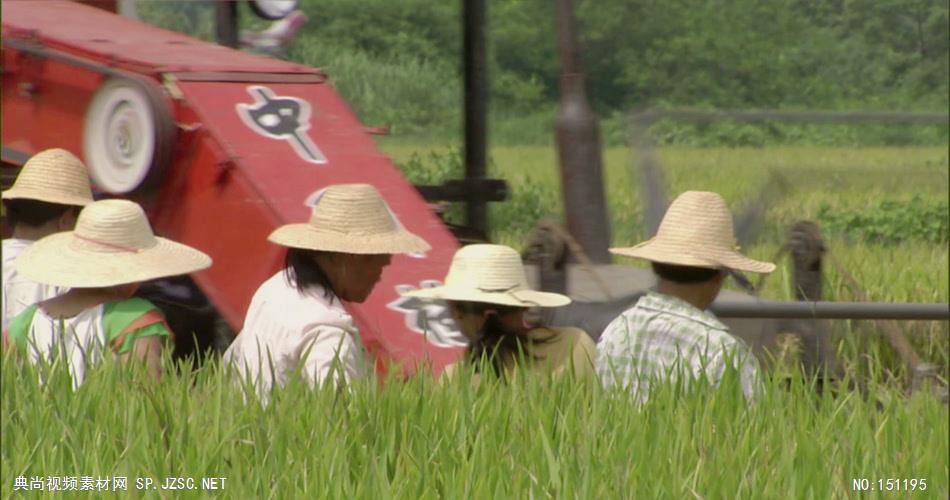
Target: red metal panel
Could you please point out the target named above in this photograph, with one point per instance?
(230, 184)
(128, 44)
(44, 103)
(237, 185)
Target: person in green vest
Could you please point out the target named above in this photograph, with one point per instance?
(102, 261)
(487, 292)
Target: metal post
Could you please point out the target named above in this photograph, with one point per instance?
(226, 23)
(578, 140)
(807, 249)
(476, 106)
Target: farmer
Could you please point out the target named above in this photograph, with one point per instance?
(297, 319)
(46, 198)
(669, 331)
(488, 295)
(102, 262)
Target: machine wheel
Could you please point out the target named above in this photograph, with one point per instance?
(128, 136)
(273, 10)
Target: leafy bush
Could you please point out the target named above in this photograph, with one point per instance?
(891, 221)
(527, 201)
(434, 168)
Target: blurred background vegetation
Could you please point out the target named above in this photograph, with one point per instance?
(736, 54)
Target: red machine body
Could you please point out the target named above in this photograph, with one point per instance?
(232, 176)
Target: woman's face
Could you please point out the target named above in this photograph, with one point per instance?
(353, 276)
(471, 323)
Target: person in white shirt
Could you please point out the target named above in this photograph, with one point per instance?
(297, 319)
(45, 199)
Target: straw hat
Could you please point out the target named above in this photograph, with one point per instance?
(492, 274)
(350, 218)
(112, 244)
(53, 176)
(696, 231)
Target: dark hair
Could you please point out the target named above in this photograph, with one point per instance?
(495, 345)
(302, 271)
(35, 213)
(684, 274)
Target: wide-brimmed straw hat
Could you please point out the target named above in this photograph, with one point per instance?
(696, 231)
(53, 176)
(491, 274)
(350, 218)
(112, 244)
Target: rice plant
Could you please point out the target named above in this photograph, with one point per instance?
(529, 437)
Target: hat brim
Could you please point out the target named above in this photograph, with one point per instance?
(59, 199)
(516, 298)
(308, 237)
(655, 251)
(53, 261)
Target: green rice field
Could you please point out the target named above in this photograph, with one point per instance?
(534, 438)
(542, 438)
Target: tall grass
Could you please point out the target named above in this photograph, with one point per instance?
(418, 439)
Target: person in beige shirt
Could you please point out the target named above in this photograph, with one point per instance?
(487, 292)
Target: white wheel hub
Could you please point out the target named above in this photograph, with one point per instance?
(119, 137)
(273, 9)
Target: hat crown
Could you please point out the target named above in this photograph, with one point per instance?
(112, 226)
(53, 175)
(487, 268)
(354, 209)
(698, 218)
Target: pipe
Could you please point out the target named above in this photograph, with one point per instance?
(476, 106)
(831, 310)
(226, 23)
(651, 116)
(578, 143)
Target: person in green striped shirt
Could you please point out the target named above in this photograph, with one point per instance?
(102, 262)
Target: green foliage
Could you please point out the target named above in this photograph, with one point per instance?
(740, 54)
(527, 202)
(433, 167)
(192, 18)
(533, 438)
(399, 63)
(406, 93)
(891, 221)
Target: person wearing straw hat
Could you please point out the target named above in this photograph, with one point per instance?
(670, 329)
(45, 198)
(488, 294)
(297, 318)
(102, 261)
